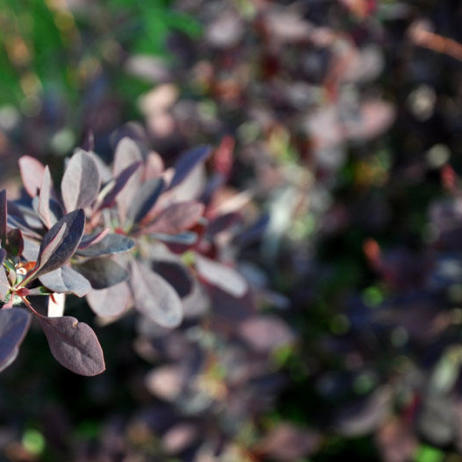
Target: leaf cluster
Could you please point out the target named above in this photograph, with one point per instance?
(130, 235)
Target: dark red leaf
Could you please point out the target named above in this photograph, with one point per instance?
(177, 217)
(74, 345)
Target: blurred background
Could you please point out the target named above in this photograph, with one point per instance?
(343, 123)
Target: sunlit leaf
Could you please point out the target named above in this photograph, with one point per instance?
(32, 172)
(80, 183)
(127, 153)
(60, 242)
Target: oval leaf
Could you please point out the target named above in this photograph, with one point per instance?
(90, 239)
(44, 197)
(66, 280)
(4, 283)
(127, 153)
(102, 272)
(74, 345)
(154, 297)
(110, 302)
(81, 182)
(60, 243)
(221, 276)
(145, 199)
(118, 185)
(31, 174)
(177, 217)
(109, 245)
(187, 162)
(14, 323)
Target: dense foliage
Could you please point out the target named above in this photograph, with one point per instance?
(291, 294)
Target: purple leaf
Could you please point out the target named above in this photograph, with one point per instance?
(221, 276)
(60, 242)
(104, 171)
(177, 243)
(177, 217)
(109, 245)
(74, 345)
(175, 274)
(90, 239)
(4, 283)
(102, 272)
(187, 238)
(187, 162)
(24, 218)
(3, 216)
(110, 302)
(31, 174)
(222, 223)
(127, 153)
(31, 249)
(154, 297)
(66, 280)
(81, 181)
(44, 199)
(145, 199)
(119, 184)
(10, 360)
(14, 323)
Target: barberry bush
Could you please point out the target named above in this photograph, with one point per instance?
(133, 235)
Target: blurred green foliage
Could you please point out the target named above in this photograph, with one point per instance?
(47, 48)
